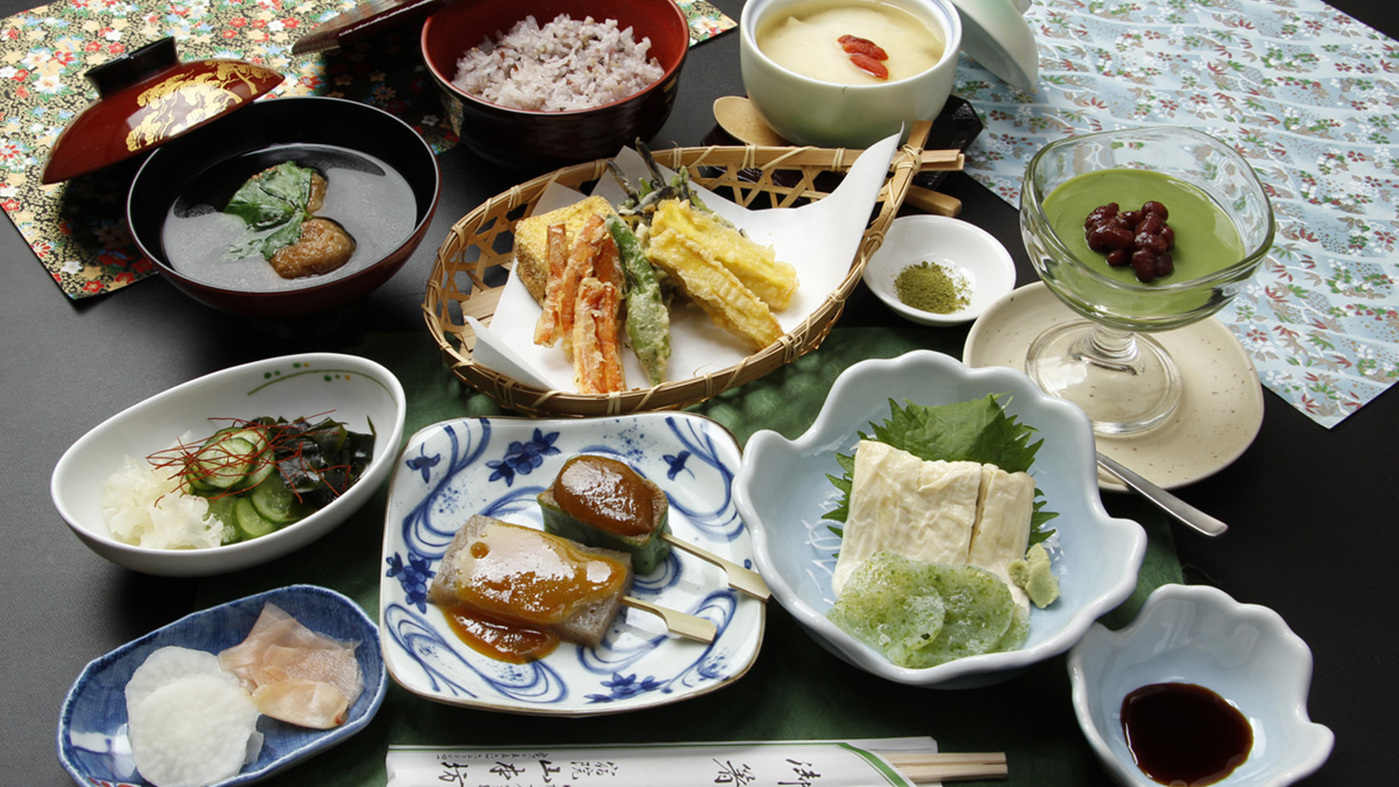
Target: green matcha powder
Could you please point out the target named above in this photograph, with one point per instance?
(930, 287)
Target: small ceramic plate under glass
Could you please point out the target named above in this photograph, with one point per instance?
(496, 467)
(1220, 412)
(969, 255)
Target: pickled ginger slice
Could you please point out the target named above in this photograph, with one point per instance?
(191, 731)
(305, 703)
(280, 648)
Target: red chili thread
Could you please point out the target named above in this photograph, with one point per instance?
(184, 457)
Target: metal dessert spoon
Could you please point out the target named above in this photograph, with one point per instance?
(1186, 513)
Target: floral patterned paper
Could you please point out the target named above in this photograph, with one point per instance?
(1304, 91)
(77, 229)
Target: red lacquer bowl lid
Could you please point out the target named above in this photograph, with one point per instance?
(146, 98)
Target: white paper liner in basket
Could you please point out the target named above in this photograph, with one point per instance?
(819, 238)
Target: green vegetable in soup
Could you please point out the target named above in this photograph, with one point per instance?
(273, 204)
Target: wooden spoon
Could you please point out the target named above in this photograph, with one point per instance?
(737, 116)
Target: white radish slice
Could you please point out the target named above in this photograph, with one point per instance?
(171, 663)
(191, 731)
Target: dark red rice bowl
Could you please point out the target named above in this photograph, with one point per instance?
(537, 140)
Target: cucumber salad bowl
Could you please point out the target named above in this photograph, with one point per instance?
(329, 405)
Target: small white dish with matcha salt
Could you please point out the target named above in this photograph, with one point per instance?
(976, 264)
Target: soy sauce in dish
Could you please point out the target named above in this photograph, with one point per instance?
(1184, 734)
(369, 198)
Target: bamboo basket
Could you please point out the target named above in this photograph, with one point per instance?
(474, 261)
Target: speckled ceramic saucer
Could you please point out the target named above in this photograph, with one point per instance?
(1220, 412)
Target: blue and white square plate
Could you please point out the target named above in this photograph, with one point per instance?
(496, 467)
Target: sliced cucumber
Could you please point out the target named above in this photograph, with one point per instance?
(225, 463)
(251, 524)
(275, 501)
(262, 463)
(196, 486)
(221, 508)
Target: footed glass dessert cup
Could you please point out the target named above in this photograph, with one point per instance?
(1222, 222)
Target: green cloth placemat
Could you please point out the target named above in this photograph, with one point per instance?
(796, 690)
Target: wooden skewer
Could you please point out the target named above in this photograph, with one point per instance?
(923, 767)
(677, 622)
(742, 579)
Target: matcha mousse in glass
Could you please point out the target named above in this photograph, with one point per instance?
(1222, 223)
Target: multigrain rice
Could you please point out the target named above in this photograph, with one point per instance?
(564, 65)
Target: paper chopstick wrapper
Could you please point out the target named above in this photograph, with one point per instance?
(820, 239)
(858, 763)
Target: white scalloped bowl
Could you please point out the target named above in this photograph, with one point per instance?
(782, 491)
(1197, 634)
(363, 394)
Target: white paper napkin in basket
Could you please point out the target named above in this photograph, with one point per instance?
(820, 239)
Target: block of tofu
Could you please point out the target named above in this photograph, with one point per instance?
(519, 575)
(532, 240)
(902, 504)
(1002, 532)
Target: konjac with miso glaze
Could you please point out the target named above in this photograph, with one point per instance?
(513, 593)
(851, 43)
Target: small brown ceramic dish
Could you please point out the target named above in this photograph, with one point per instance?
(391, 178)
(146, 98)
(539, 140)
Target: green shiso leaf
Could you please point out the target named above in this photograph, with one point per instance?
(978, 430)
(273, 205)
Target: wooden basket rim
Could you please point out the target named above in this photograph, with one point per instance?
(515, 394)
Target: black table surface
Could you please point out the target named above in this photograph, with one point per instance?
(1312, 520)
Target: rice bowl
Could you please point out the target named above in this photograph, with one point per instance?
(563, 65)
(537, 140)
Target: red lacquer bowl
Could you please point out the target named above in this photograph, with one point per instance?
(537, 140)
(145, 99)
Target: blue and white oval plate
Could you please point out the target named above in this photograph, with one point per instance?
(496, 466)
(92, 741)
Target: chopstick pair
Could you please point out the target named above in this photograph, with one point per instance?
(929, 767)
